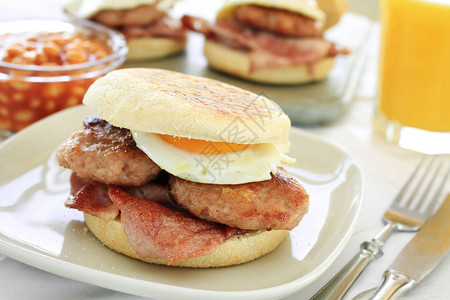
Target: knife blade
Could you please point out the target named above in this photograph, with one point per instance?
(419, 257)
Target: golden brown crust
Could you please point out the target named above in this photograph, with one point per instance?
(166, 102)
(237, 63)
(236, 250)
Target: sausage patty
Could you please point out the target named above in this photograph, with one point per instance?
(108, 154)
(277, 20)
(138, 16)
(278, 203)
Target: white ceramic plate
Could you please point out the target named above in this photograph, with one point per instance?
(36, 228)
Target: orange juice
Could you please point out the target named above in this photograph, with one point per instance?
(414, 74)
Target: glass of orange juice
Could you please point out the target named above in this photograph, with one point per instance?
(413, 107)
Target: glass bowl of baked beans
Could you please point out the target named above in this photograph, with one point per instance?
(47, 66)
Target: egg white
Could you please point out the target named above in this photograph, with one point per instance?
(254, 163)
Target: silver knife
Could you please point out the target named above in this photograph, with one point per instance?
(419, 257)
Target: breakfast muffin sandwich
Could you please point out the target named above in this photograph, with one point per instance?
(150, 32)
(183, 171)
(269, 41)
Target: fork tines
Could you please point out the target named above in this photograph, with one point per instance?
(425, 184)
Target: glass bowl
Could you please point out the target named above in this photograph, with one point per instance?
(29, 92)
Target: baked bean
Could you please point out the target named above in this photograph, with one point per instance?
(23, 116)
(51, 49)
(15, 50)
(3, 98)
(76, 57)
(3, 112)
(41, 58)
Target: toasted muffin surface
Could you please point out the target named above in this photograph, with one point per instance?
(167, 102)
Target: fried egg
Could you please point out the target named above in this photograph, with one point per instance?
(211, 162)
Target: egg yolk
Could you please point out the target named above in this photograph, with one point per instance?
(202, 146)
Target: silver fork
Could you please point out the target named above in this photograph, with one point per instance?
(410, 209)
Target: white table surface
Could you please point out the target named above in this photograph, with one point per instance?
(385, 168)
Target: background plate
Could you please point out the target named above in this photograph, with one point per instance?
(36, 228)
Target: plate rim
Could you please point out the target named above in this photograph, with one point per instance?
(163, 290)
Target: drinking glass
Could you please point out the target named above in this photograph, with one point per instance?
(413, 108)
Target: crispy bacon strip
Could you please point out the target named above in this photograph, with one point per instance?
(91, 197)
(153, 230)
(266, 49)
(158, 232)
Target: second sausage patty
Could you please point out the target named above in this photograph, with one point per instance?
(277, 20)
(278, 203)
